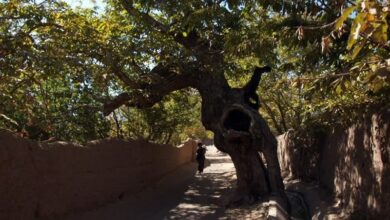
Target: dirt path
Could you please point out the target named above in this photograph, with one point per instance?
(182, 194)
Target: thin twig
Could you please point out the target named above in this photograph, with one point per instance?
(317, 27)
(372, 41)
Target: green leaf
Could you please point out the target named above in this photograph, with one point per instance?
(377, 85)
(344, 16)
(369, 77)
(380, 34)
(355, 30)
(357, 49)
(339, 90)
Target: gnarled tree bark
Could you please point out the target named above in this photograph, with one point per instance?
(231, 113)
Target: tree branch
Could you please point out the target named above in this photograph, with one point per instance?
(192, 41)
(113, 61)
(167, 78)
(272, 116)
(114, 64)
(48, 24)
(253, 83)
(128, 5)
(317, 27)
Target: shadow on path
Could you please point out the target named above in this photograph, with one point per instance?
(182, 194)
(205, 196)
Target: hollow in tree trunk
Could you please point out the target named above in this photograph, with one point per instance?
(240, 131)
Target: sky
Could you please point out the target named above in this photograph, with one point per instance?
(86, 3)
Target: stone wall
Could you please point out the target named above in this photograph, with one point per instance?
(352, 163)
(44, 180)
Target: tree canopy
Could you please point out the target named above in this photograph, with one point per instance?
(60, 67)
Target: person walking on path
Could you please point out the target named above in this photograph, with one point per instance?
(200, 157)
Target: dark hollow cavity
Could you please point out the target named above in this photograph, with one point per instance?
(237, 120)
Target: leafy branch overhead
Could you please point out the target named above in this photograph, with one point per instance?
(172, 76)
(60, 66)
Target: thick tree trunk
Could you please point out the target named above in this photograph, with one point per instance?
(240, 131)
(251, 177)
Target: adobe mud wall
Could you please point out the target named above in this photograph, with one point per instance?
(39, 180)
(352, 163)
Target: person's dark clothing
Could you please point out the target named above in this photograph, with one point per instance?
(200, 157)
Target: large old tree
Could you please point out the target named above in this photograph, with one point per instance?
(230, 113)
(58, 64)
